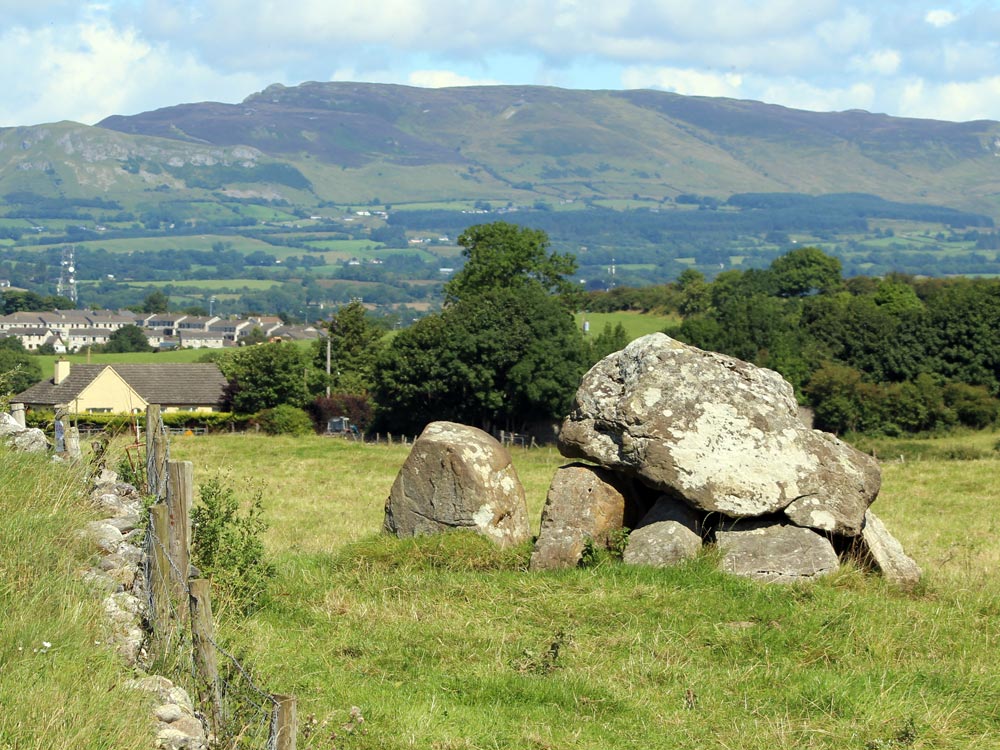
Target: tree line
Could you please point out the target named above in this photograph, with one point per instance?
(891, 355)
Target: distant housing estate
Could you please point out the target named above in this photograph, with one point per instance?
(75, 330)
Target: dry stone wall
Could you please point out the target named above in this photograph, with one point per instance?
(118, 576)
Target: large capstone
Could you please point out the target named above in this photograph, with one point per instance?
(457, 477)
(584, 505)
(719, 433)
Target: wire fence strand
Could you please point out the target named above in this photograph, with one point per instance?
(249, 713)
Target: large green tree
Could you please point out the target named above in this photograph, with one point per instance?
(504, 255)
(504, 352)
(805, 270)
(498, 359)
(355, 342)
(18, 369)
(267, 375)
(128, 338)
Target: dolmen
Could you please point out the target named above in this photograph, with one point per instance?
(685, 447)
(676, 448)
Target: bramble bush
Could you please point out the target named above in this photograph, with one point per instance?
(227, 545)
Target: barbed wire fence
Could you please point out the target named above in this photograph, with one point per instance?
(237, 711)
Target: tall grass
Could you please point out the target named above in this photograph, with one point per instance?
(60, 684)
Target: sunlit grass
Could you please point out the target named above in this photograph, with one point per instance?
(60, 685)
(447, 642)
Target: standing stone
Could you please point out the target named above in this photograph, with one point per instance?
(721, 433)
(670, 533)
(584, 503)
(457, 477)
(879, 549)
(774, 551)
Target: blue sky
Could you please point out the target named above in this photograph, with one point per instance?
(73, 60)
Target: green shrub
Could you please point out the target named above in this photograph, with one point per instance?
(227, 546)
(284, 420)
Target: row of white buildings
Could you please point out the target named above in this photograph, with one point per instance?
(75, 330)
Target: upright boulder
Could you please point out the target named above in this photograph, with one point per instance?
(584, 504)
(876, 548)
(457, 477)
(719, 433)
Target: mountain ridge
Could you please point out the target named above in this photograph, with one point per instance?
(354, 142)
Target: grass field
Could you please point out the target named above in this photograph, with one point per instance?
(635, 324)
(447, 643)
(190, 242)
(178, 355)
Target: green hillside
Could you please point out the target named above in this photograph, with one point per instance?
(332, 191)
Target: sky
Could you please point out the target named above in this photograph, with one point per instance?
(82, 61)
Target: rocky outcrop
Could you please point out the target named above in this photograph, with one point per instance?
(457, 477)
(724, 442)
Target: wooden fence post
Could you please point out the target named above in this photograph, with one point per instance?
(202, 637)
(285, 722)
(180, 493)
(159, 575)
(156, 453)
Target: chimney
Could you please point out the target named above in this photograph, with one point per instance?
(61, 371)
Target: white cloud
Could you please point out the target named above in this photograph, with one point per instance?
(884, 62)
(681, 81)
(940, 18)
(436, 79)
(956, 101)
(90, 70)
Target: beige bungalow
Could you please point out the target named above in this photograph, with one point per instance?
(128, 388)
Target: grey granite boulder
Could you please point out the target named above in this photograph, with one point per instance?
(457, 477)
(718, 432)
(583, 503)
(774, 551)
(670, 533)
